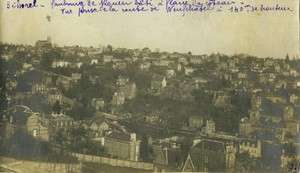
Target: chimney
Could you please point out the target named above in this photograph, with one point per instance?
(132, 137)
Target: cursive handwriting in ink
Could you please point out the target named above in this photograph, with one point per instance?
(185, 6)
(274, 8)
(65, 3)
(21, 5)
(135, 6)
(107, 6)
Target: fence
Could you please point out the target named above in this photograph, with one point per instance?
(114, 162)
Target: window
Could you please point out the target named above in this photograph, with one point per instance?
(34, 132)
(136, 149)
(206, 159)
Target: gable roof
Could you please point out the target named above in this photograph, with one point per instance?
(98, 120)
(170, 158)
(188, 165)
(211, 145)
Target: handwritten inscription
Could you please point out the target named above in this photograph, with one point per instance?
(81, 7)
(22, 5)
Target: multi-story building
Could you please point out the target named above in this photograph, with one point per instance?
(213, 156)
(129, 90)
(60, 121)
(195, 122)
(118, 98)
(245, 127)
(37, 126)
(253, 147)
(98, 103)
(38, 88)
(97, 126)
(122, 145)
(158, 83)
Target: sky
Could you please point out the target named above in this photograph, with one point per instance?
(263, 34)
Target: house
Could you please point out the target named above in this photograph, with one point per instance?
(144, 66)
(200, 80)
(211, 155)
(210, 127)
(292, 127)
(107, 58)
(37, 126)
(281, 84)
(97, 126)
(94, 51)
(94, 61)
(121, 81)
(245, 127)
(122, 145)
(255, 102)
(60, 63)
(119, 65)
(118, 98)
(63, 81)
(27, 66)
(294, 99)
(76, 77)
(221, 99)
(188, 86)
(54, 95)
(38, 88)
(98, 103)
(288, 113)
(189, 71)
(129, 90)
(158, 83)
(251, 146)
(94, 79)
(48, 80)
(195, 122)
(241, 75)
(170, 73)
(11, 84)
(171, 160)
(290, 155)
(254, 116)
(61, 121)
(151, 119)
(170, 92)
(183, 60)
(195, 60)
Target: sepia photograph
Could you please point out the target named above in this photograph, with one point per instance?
(136, 86)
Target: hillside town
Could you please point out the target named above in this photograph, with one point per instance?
(143, 110)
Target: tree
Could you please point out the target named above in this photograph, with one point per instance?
(287, 58)
(56, 107)
(3, 100)
(144, 148)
